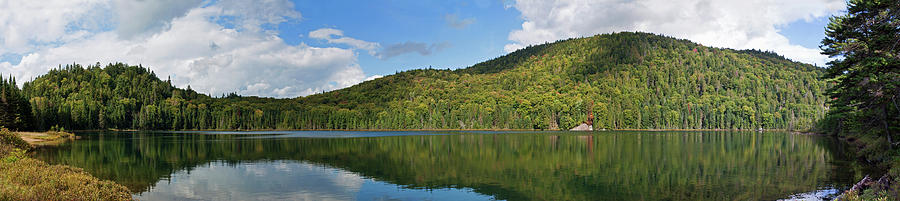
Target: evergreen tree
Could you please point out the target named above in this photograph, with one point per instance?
(866, 43)
(15, 111)
(627, 80)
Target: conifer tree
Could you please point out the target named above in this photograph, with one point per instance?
(866, 43)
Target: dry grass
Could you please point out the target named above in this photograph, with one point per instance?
(46, 138)
(23, 178)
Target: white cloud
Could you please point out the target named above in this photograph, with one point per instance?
(275, 180)
(423, 49)
(373, 77)
(149, 16)
(726, 23)
(27, 25)
(454, 21)
(219, 48)
(337, 37)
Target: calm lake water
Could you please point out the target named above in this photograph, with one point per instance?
(340, 165)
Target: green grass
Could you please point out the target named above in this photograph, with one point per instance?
(56, 135)
(24, 178)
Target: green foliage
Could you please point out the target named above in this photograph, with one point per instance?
(24, 178)
(866, 96)
(55, 135)
(13, 156)
(10, 141)
(15, 111)
(868, 195)
(57, 128)
(636, 81)
(633, 80)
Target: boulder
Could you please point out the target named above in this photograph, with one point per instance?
(583, 127)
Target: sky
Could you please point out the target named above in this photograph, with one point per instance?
(291, 48)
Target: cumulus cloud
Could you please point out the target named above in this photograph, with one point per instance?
(454, 21)
(226, 46)
(731, 24)
(27, 25)
(423, 49)
(149, 16)
(337, 37)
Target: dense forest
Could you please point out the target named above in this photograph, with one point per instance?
(628, 80)
(15, 111)
(864, 104)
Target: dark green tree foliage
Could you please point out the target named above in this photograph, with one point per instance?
(866, 43)
(635, 80)
(124, 97)
(15, 111)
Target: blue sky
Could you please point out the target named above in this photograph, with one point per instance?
(396, 22)
(290, 48)
(401, 21)
(808, 34)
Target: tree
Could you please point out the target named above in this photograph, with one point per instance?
(866, 43)
(635, 80)
(15, 110)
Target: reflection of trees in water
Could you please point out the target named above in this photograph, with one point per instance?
(615, 166)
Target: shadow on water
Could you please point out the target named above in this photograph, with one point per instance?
(507, 165)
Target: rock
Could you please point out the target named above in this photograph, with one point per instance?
(883, 183)
(862, 184)
(583, 127)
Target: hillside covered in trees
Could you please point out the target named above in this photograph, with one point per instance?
(628, 80)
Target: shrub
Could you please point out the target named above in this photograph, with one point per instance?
(15, 155)
(24, 178)
(31, 179)
(10, 141)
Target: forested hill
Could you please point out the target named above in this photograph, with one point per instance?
(635, 80)
(628, 80)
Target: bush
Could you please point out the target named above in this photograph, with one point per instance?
(24, 178)
(10, 141)
(56, 135)
(13, 156)
(31, 179)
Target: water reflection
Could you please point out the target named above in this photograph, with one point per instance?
(516, 166)
(285, 180)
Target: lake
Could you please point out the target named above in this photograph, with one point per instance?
(476, 165)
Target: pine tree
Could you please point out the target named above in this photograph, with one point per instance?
(15, 110)
(866, 42)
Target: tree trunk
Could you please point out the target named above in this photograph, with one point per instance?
(887, 129)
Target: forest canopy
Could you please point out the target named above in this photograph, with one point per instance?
(628, 80)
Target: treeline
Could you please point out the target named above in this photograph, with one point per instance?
(635, 80)
(628, 80)
(865, 98)
(124, 97)
(15, 111)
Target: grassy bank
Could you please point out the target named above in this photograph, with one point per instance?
(24, 178)
(46, 138)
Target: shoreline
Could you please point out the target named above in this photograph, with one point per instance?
(25, 178)
(601, 130)
(49, 138)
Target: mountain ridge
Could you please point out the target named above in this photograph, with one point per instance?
(616, 42)
(635, 80)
